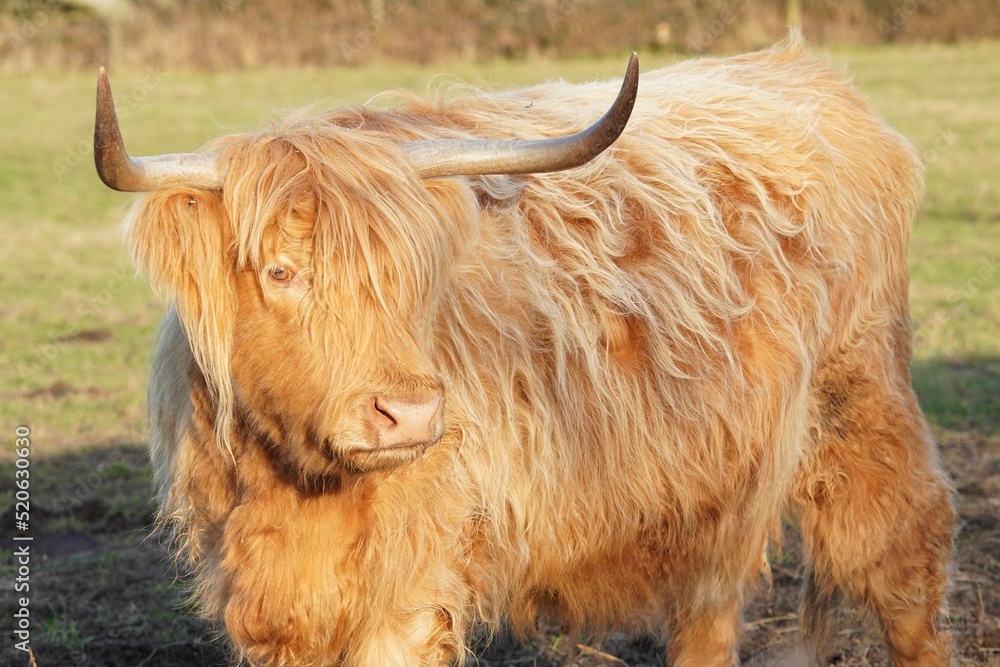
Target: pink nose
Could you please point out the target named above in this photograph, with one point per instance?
(402, 421)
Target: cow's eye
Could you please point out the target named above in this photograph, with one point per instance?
(280, 274)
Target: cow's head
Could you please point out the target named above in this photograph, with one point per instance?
(305, 262)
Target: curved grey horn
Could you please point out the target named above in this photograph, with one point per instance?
(466, 157)
(144, 174)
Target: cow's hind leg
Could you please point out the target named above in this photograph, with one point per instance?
(877, 518)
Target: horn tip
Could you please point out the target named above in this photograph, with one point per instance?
(103, 84)
(632, 69)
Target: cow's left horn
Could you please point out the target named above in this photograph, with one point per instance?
(144, 174)
(466, 157)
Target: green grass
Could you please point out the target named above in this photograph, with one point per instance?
(61, 628)
(946, 99)
(77, 327)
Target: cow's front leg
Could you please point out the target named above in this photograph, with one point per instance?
(286, 600)
(706, 639)
(425, 638)
(288, 566)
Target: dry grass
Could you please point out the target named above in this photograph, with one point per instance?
(253, 34)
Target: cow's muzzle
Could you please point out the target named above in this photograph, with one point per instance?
(406, 421)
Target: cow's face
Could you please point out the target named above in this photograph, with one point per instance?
(308, 290)
(306, 265)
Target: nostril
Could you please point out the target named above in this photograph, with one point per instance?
(407, 420)
(384, 412)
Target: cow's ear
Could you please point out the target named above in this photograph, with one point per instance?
(180, 239)
(184, 243)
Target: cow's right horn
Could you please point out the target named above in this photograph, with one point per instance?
(144, 174)
(456, 157)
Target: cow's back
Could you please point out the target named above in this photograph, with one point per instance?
(645, 327)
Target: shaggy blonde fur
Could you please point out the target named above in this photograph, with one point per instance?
(645, 360)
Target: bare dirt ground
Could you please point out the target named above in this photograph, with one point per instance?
(103, 592)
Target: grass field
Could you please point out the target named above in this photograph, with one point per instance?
(77, 329)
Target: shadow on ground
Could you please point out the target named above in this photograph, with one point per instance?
(960, 394)
(103, 592)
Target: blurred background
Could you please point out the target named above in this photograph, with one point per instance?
(227, 34)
